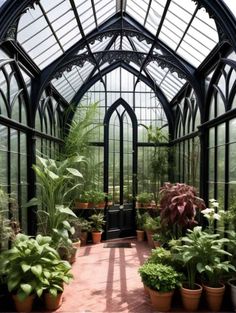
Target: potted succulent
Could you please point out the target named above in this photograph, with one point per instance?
(97, 222)
(161, 281)
(140, 220)
(27, 266)
(151, 226)
(143, 200)
(82, 228)
(179, 204)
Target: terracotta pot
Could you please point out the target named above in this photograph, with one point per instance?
(191, 297)
(100, 205)
(146, 290)
(76, 244)
(25, 305)
(138, 205)
(91, 205)
(214, 297)
(149, 238)
(51, 302)
(157, 244)
(72, 257)
(96, 236)
(161, 301)
(232, 284)
(81, 205)
(83, 238)
(140, 235)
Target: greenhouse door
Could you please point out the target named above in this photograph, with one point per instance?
(120, 170)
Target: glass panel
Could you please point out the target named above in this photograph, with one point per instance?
(221, 164)
(114, 157)
(232, 133)
(128, 158)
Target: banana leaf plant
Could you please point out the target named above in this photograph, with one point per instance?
(178, 208)
(56, 181)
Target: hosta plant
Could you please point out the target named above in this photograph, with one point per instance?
(31, 265)
(178, 207)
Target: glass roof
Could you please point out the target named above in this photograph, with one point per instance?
(48, 30)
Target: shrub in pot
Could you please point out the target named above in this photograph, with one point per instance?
(161, 281)
(178, 207)
(97, 222)
(109, 198)
(157, 240)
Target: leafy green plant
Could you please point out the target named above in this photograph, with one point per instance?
(140, 220)
(144, 198)
(152, 224)
(81, 130)
(160, 277)
(30, 264)
(160, 256)
(97, 222)
(203, 252)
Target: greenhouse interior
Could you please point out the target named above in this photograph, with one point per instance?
(117, 156)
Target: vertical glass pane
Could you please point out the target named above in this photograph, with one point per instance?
(114, 157)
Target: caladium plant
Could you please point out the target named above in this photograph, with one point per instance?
(178, 207)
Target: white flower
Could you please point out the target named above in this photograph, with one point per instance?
(208, 211)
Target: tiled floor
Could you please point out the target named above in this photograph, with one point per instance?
(106, 280)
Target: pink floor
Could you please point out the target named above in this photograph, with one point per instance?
(106, 280)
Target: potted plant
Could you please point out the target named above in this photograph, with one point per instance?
(99, 199)
(27, 266)
(109, 197)
(161, 281)
(178, 207)
(54, 284)
(97, 222)
(143, 200)
(187, 253)
(140, 220)
(82, 201)
(157, 240)
(151, 226)
(203, 252)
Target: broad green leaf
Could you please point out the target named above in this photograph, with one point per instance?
(25, 267)
(37, 270)
(74, 172)
(65, 210)
(26, 288)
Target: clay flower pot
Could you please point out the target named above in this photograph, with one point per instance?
(83, 238)
(214, 297)
(51, 302)
(76, 244)
(161, 301)
(191, 297)
(232, 284)
(140, 235)
(81, 205)
(96, 237)
(25, 305)
(149, 238)
(146, 289)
